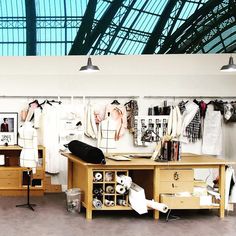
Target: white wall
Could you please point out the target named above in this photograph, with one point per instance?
(196, 75)
(25, 78)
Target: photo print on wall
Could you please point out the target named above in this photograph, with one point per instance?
(9, 128)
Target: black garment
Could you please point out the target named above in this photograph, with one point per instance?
(4, 127)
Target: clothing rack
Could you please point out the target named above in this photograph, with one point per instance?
(200, 97)
(67, 96)
(116, 96)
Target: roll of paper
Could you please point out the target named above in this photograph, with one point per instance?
(112, 203)
(120, 189)
(157, 206)
(97, 191)
(110, 189)
(124, 180)
(98, 176)
(109, 203)
(109, 176)
(97, 203)
(121, 202)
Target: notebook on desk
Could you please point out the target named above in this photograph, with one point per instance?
(119, 158)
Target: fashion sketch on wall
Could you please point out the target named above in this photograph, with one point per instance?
(9, 128)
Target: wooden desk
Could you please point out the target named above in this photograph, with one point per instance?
(13, 178)
(80, 175)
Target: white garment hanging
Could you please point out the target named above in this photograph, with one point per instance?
(174, 122)
(170, 121)
(71, 123)
(229, 176)
(212, 133)
(37, 115)
(28, 140)
(91, 128)
(179, 121)
(49, 133)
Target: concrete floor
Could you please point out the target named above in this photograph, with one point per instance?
(51, 218)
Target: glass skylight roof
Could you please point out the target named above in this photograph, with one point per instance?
(80, 27)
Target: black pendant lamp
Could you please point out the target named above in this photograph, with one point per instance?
(89, 67)
(231, 67)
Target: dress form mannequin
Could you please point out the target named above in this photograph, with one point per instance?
(28, 140)
(28, 155)
(106, 134)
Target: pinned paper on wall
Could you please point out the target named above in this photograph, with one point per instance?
(148, 129)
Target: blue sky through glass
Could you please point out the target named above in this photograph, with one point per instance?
(58, 21)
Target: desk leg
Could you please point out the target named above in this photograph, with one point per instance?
(156, 188)
(222, 190)
(89, 206)
(89, 214)
(70, 174)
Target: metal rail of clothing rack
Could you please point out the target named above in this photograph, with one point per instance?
(116, 96)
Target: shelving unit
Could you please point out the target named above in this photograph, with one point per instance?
(13, 179)
(105, 190)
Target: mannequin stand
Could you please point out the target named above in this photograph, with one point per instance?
(28, 204)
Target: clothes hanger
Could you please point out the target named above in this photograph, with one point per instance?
(59, 102)
(115, 102)
(47, 102)
(35, 102)
(128, 103)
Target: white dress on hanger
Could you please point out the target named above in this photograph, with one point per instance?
(49, 136)
(90, 124)
(28, 140)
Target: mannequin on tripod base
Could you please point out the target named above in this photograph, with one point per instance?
(29, 156)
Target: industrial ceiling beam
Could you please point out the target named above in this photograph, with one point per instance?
(127, 33)
(30, 12)
(100, 28)
(159, 27)
(196, 39)
(206, 27)
(85, 28)
(192, 20)
(111, 41)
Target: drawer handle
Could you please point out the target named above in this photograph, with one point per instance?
(176, 176)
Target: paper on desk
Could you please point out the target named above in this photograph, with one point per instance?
(119, 158)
